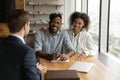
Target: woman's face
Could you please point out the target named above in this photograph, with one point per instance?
(78, 24)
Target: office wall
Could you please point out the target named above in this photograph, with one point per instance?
(69, 6)
(19, 4)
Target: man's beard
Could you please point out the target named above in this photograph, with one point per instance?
(52, 31)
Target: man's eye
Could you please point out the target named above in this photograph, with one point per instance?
(58, 23)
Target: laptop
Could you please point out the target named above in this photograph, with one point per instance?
(81, 66)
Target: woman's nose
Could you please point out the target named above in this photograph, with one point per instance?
(76, 24)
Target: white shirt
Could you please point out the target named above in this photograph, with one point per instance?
(82, 42)
(21, 38)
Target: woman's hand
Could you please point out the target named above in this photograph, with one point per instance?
(81, 57)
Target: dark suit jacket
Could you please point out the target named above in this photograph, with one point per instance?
(17, 60)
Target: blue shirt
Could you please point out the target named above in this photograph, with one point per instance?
(44, 41)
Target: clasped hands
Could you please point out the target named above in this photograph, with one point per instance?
(64, 56)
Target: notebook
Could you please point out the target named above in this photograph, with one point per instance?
(61, 75)
(82, 66)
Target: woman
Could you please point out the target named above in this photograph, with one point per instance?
(79, 35)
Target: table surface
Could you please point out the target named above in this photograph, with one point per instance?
(98, 72)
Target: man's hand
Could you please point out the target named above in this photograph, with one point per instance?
(41, 54)
(55, 55)
(39, 66)
(64, 57)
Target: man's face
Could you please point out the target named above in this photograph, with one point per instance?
(55, 25)
(27, 28)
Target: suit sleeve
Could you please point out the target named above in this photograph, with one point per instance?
(30, 69)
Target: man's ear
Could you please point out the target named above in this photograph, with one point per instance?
(25, 26)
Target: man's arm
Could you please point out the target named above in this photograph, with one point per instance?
(70, 53)
(67, 56)
(38, 47)
(38, 41)
(69, 47)
(41, 54)
(68, 44)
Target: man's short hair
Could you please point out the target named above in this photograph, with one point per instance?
(54, 15)
(16, 20)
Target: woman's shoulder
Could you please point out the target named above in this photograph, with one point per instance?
(85, 32)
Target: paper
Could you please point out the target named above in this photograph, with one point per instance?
(81, 66)
(58, 60)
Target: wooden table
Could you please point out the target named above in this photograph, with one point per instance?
(98, 72)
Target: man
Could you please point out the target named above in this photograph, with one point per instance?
(49, 43)
(17, 60)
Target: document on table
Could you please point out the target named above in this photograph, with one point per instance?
(81, 66)
(58, 60)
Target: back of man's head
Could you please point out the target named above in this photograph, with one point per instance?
(16, 20)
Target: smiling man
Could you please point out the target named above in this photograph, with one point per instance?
(49, 43)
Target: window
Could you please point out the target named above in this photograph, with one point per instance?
(78, 5)
(105, 23)
(93, 12)
(114, 31)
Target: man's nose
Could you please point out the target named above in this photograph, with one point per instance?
(55, 24)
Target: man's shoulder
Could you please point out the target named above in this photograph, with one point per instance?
(41, 33)
(26, 50)
(63, 31)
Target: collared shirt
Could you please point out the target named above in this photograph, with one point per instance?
(48, 43)
(21, 38)
(82, 42)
